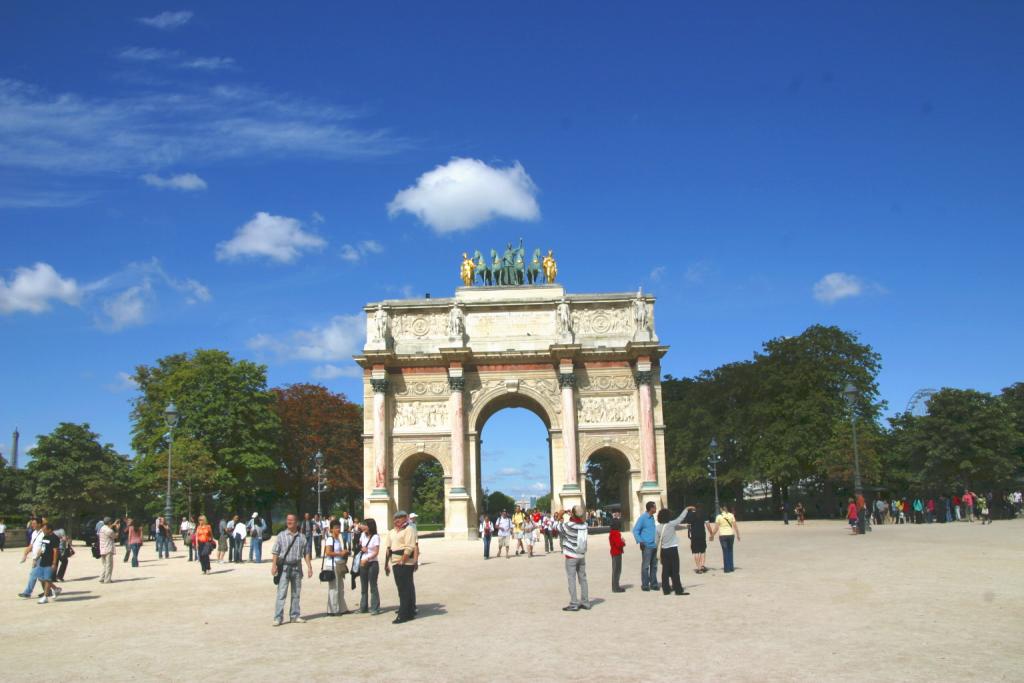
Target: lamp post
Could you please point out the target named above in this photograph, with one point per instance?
(850, 394)
(319, 458)
(713, 461)
(171, 419)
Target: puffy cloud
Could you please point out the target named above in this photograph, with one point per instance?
(167, 21)
(464, 193)
(355, 253)
(151, 130)
(146, 54)
(329, 371)
(657, 273)
(338, 340)
(278, 238)
(32, 290)
(209, 63)
(126, 309)
(836, 286)
(318, 217)
(188, 182)
(124, 381)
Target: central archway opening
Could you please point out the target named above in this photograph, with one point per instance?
(421, 490)
(608, 483)
(514, 456)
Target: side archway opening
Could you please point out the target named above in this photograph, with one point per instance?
(607, 478)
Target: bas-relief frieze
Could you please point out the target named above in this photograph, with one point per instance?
(607, 409)
(422, 388)
(544, 387)
(591, 322)
(492, 324)
(419, 325)
(627, 444)
(594, 383)
(414, 416)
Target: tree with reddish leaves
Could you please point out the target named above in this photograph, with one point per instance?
(315, 419)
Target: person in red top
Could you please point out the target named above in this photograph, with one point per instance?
(851, 516)
(617, 546)
(956, 506)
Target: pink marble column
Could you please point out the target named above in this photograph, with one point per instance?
(567, 380)
(455, 412)
(647, 446)
(380, 443)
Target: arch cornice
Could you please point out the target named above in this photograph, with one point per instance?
(483, 400)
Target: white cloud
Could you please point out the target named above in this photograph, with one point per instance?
(355, 253)
(510, 472)
(657, 273)
(167, 21)
(43, 199)
(209, 63)
(338, 340)
(278, 238)
(186, 181)
(153, 130)
(329, 371)
(318, 217)
(538, 487)
(464, 193)
(836, 286)
(124, 381)
(146, 54)
(32, 290)
(127, 309)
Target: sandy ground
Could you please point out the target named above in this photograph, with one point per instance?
(908, 603)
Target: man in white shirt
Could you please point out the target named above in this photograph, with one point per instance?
(33, 549)
(3, 535)
(108, 540)
(504, 526)
(238, 536)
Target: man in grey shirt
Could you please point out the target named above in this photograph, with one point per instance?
(289, 550)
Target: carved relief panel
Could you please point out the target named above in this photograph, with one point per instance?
(419, 416)
(607, 410)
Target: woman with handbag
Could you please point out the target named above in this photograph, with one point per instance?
(334, 574)
(369, 567)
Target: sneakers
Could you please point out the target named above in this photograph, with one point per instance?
(24, 595)
(571, 608)
(298, 620)
(57, 590)
(277, 622)
(42, 600)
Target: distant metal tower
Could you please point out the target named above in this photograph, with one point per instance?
(14, 449)
(918, 403)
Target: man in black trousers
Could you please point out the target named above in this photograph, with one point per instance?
(402, 555)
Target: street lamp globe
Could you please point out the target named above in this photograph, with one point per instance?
(171, 415)
(850, 393)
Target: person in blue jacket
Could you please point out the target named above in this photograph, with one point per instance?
(643, 534)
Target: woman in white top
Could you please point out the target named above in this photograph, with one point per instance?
(369, 567)
(669, 544)
(334, 559)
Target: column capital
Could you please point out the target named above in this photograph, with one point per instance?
(566, 379)
(642, 377)
(456, 384)
(380, 386)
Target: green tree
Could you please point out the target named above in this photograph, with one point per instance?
(544, 502)
(193, 477)
(604, 478)
(967, 439)
(496, 501)
(224, 405)
(72, 474)
(428, 492)
(11, 489)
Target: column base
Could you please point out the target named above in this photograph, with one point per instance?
(458, 492)
(570, 495)
(650, 492)
(457, 525)
(379, 508)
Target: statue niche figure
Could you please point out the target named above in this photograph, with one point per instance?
(380, 324)
(456, 323)
(563, 318)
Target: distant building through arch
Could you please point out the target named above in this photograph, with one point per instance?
(435, 370)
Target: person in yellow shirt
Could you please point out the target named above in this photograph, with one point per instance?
(401, 554)
(727, 530)
(518, 517)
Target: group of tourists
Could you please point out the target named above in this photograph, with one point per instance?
(49, 550)
(293, 548)
(524, 529)
(966, 507)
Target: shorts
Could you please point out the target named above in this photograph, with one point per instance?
(502, 541)
(44, 573)
(222, 544)
(519, 535)
(852, 522)
(529, 537)
(698, 545)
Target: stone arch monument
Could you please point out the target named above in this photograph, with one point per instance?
(435, 370)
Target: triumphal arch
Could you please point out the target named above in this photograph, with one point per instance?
(436, 369)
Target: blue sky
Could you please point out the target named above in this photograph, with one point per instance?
(176, 176)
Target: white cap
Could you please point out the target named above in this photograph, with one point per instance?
(255, 515)
(413, 515)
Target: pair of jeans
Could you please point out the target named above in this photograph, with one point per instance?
(191, 549)
(291, 577)
(616, 571)
(368, 574)
(406, 591)
(549, 542)
(3, 541)
(670, 571)
(727, 542)
(256, 549)
(316, 544)
(576, 568)
(62, 568)
(134, 547)
(649, 567)
(487, 547)
(346, 539)
(336, 590)
(163, 547)
(203, 552)
(34, 574)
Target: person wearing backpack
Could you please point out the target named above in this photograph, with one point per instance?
(256, 527)
(573, 536)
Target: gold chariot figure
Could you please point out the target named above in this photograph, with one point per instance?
(550, 267)
(467, 269)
